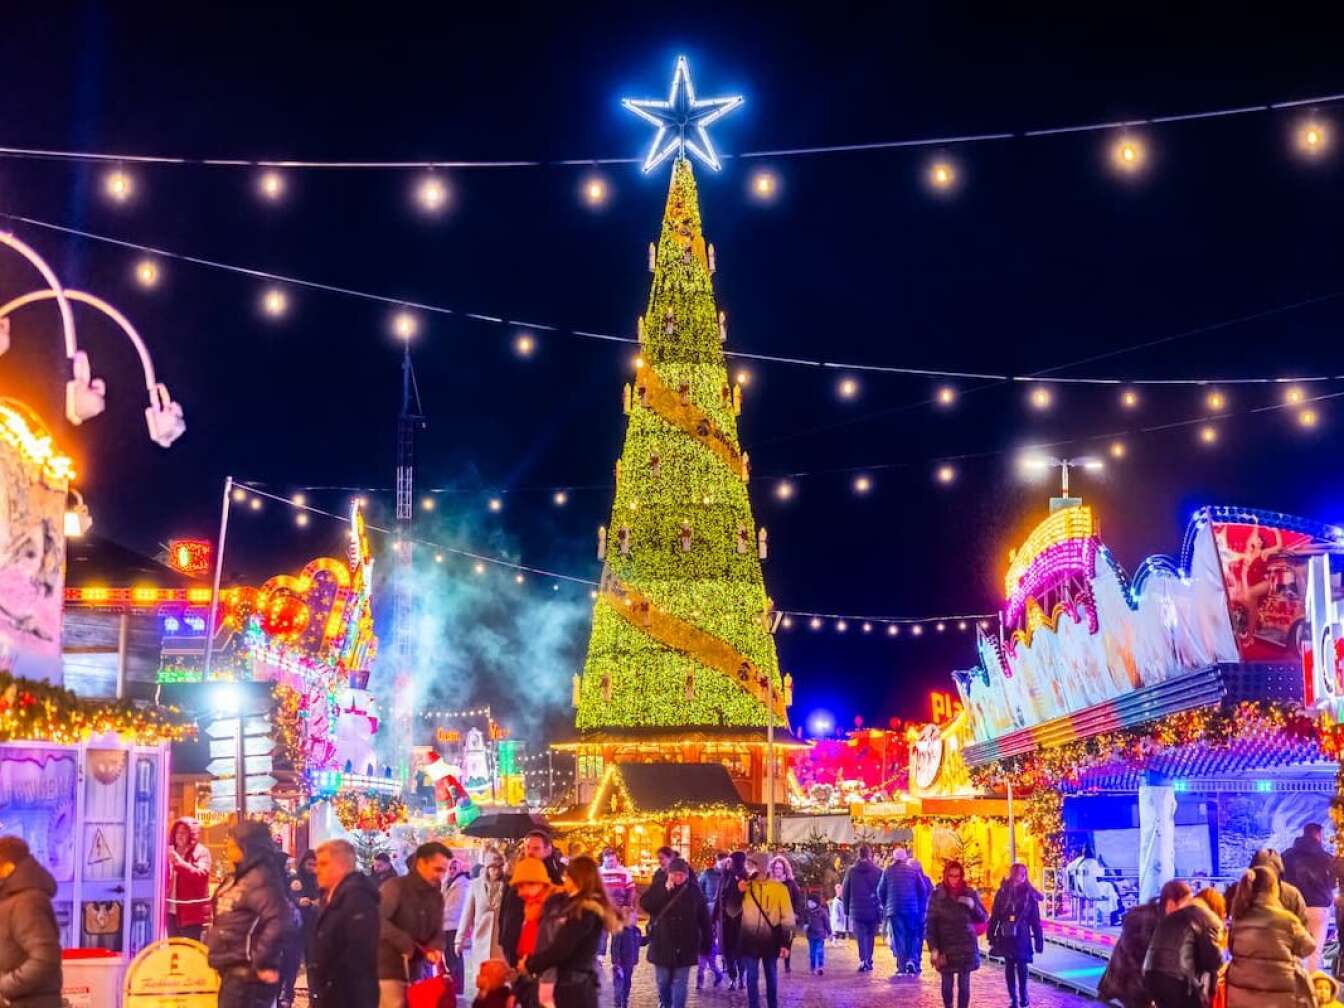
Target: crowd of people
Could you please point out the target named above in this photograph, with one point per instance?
(1256, 945)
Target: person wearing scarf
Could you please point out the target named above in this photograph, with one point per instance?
(954, 946)
(1015, 931)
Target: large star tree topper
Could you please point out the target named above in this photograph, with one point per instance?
(681, 120)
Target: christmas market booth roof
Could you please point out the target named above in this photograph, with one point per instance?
(662, 738)
(660, 791)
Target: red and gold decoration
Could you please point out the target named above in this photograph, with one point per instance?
(369, 812)
(35, 711)
(192, 557)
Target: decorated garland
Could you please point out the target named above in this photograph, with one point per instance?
(375, 812)
(35, 711)
(690, 640)
(677, 409)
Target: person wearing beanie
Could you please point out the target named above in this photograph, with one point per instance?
(728, 916)
(679, 931)
(252, 916)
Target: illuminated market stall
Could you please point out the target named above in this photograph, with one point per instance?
(1167, 725)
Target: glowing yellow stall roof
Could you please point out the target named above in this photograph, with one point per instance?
(1061, 526)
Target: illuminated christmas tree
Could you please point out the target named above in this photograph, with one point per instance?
(682, 625)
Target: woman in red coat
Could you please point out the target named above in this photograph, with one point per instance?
(188, 881)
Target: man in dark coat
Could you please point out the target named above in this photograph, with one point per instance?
(859, 895)
(1123, 979)
(1184, 950)
(903, 900)
(30, 943)
(536, 844)
(343, 970)
(679, 931)
(411, 934)
(1310, 867)
(252, 920)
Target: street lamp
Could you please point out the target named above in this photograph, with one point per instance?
(1038, 464)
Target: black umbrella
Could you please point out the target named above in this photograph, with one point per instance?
(506, 825)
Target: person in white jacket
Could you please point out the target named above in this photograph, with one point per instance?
(478, 926)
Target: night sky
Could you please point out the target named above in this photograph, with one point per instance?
(1042, 258)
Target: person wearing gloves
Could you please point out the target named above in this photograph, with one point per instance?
(955, 911)
(679, 931)
(252, 917)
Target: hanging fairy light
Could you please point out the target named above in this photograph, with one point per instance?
(438, 558)
(1312, 137)
(1293, 395)
(1118, 449)
(1215, 401)
(298, 500)
(764, 185)
(942, 176)
(961, 624)
(784, 490)
(518, 579)
(848, 388)
(1208, 434)
(560, 498)
(118, 185)
(1129, 399)
(271, 185)
(595, 191)
(427, 504)
(946, 396)
(147, 273)
(496, 504)
(525, 344)
(478, 567)
(239, 495)
(940, 627)
(1128, 154)
(274, 302)
(862, 484)
(945, 474)
(301, 519)
(815, 623)
(431, 193)
(255, 503)
(786, 623)
(841, 626)
(743, 377)
(1308, 418)
(1041, 398)
(917, 630)
(893, 629)
(867, 627)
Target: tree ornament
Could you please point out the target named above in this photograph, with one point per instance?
(685, 537)
(655, 465)
(623, 537)
(601, 542)
(653, 258)
(743, 540)
(684, 394)
(690, 685)
(627, 399)
(762, 546)
(723, 327)
(713, 267)
(669, 322)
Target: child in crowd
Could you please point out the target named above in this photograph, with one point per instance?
(492, 986)
(1326, 989)
(839, 923)
(624, 956)
(818, 928)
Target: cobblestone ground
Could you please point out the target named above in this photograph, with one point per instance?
(842, 987)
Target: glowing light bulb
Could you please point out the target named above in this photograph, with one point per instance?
(560, 498)
(256, 503)
(147, 273)
(438, 558)
(1118, 449)
(1129, 399)
(525, 344)
(784, 490)
(815, 623)
(637, 362)
(518, 579)
(298, 500)
(744, 377)
(595, 191)
(592, 595)
(942, 175)
(1208, 434)
(496, 504)
(1307, 418)
(1294, 395)
(1312, 138)
(427, 504)
(1041, 398)
(478, 567)
(239, 494)
(118, 185)
(301, 519)
(945, 474)
(917, 629)
(404, 325)
(946, 396)
(1216, 401)
(786, 623)
(983, 624)
(862, 484)
(271, 184)
(764, 185)
(841, 626)
(848, 388)
(867, 628)
(1128, 154)
(274, 302)
(961, 625)
(892, 629)
(431, 194)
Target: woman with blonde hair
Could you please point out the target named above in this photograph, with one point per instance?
(781, 870)
(767, 922)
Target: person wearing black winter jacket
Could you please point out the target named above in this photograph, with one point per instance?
(1015, 931)
(411, 936)
(679, 932)
(954, 947)
(343, 970)
(1310, 867)
(859, 895)
(252, 919)
(30, 944)
(1184, 950)
(569, 949)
